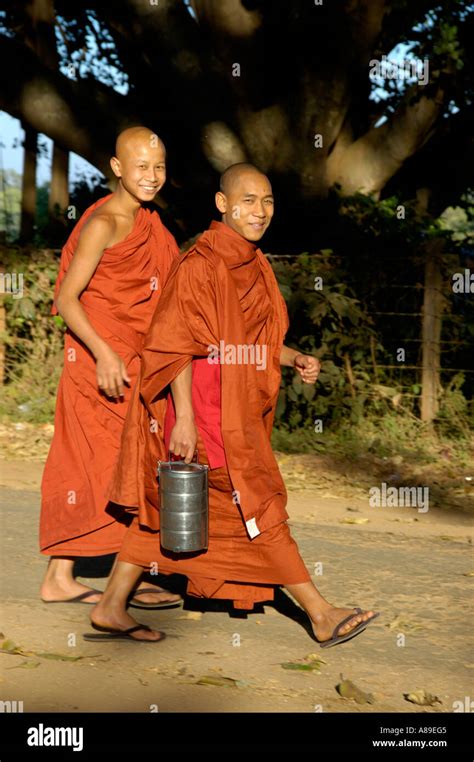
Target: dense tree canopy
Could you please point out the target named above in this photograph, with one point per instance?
(286, 85)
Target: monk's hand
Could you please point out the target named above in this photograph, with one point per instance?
(308, 367)
(183, 438)
(111, 372)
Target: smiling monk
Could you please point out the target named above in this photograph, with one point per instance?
(112, 271)
(197, 389)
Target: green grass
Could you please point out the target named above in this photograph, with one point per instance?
(387, 436)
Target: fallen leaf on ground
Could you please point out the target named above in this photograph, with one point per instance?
(348, 520)
(311, 663)
(315, 657)
(301, 666)
(422, 698)
(26, 665)
(62, 657)
(9, 647)
(196, 615)
(404, 624)
(348, 689)
(218, 680)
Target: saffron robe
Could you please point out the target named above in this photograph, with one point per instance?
(220, 297)
(119, 301)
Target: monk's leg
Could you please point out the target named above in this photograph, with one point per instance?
(59, 583)
(111, 610)
(160, 595)
(323, 615)
(278, 554)
(150, 596)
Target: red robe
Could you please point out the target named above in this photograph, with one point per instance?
(119, 301)
(222, 290)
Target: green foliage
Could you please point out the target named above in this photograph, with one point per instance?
(459, 220)
(368, 308)
(456, 416)
(326, 320)
(10, 203)
(395, 435)
(33, 339)
(340, 301)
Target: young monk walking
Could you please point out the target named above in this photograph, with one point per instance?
(221, 295)
(112, 271)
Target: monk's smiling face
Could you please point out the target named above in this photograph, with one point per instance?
(140, 163)
(246, 201)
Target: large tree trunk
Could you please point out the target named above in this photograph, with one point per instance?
(28, 185)
(59, 191)
(3, 328)
(41, 38)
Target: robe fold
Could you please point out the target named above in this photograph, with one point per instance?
(119, 301)
(221, 303)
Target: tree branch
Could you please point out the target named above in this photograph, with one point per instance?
(79, 118)
(368, 164)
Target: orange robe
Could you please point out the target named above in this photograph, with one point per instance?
(119, 301)
(222, 290)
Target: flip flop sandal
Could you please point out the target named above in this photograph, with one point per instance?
(79, 598)
(137, 604)
(110, 633)
(335, 639)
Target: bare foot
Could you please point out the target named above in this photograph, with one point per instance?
(121, 620)
(161, 595)
(55, 590)
(324, 627)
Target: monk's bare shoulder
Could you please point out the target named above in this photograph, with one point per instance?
(95, 237)
(99, 231)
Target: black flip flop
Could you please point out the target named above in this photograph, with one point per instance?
(137, 604)
(110, 633)
(335, 639)
(79, 598)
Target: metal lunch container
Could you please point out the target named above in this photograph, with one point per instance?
(184, 520)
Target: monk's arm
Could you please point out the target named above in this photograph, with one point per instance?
(287, 356)
(307, 366)
(94, 238)
(183, 438)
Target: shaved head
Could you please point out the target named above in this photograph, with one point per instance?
(234, 173)
(245, 200)
(133, 137)
(140, 163)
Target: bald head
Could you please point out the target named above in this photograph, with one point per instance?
(235, 173)
(134, 137)
(245, 200)
(140, 162)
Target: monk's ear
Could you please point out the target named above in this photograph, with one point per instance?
(115, 164)
(221, 202)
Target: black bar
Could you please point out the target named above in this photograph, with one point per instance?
(104, 734)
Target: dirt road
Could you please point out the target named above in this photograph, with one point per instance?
(416, 568)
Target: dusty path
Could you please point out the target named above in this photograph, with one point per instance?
(413, 567)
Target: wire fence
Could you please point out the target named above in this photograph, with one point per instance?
(432, 318)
